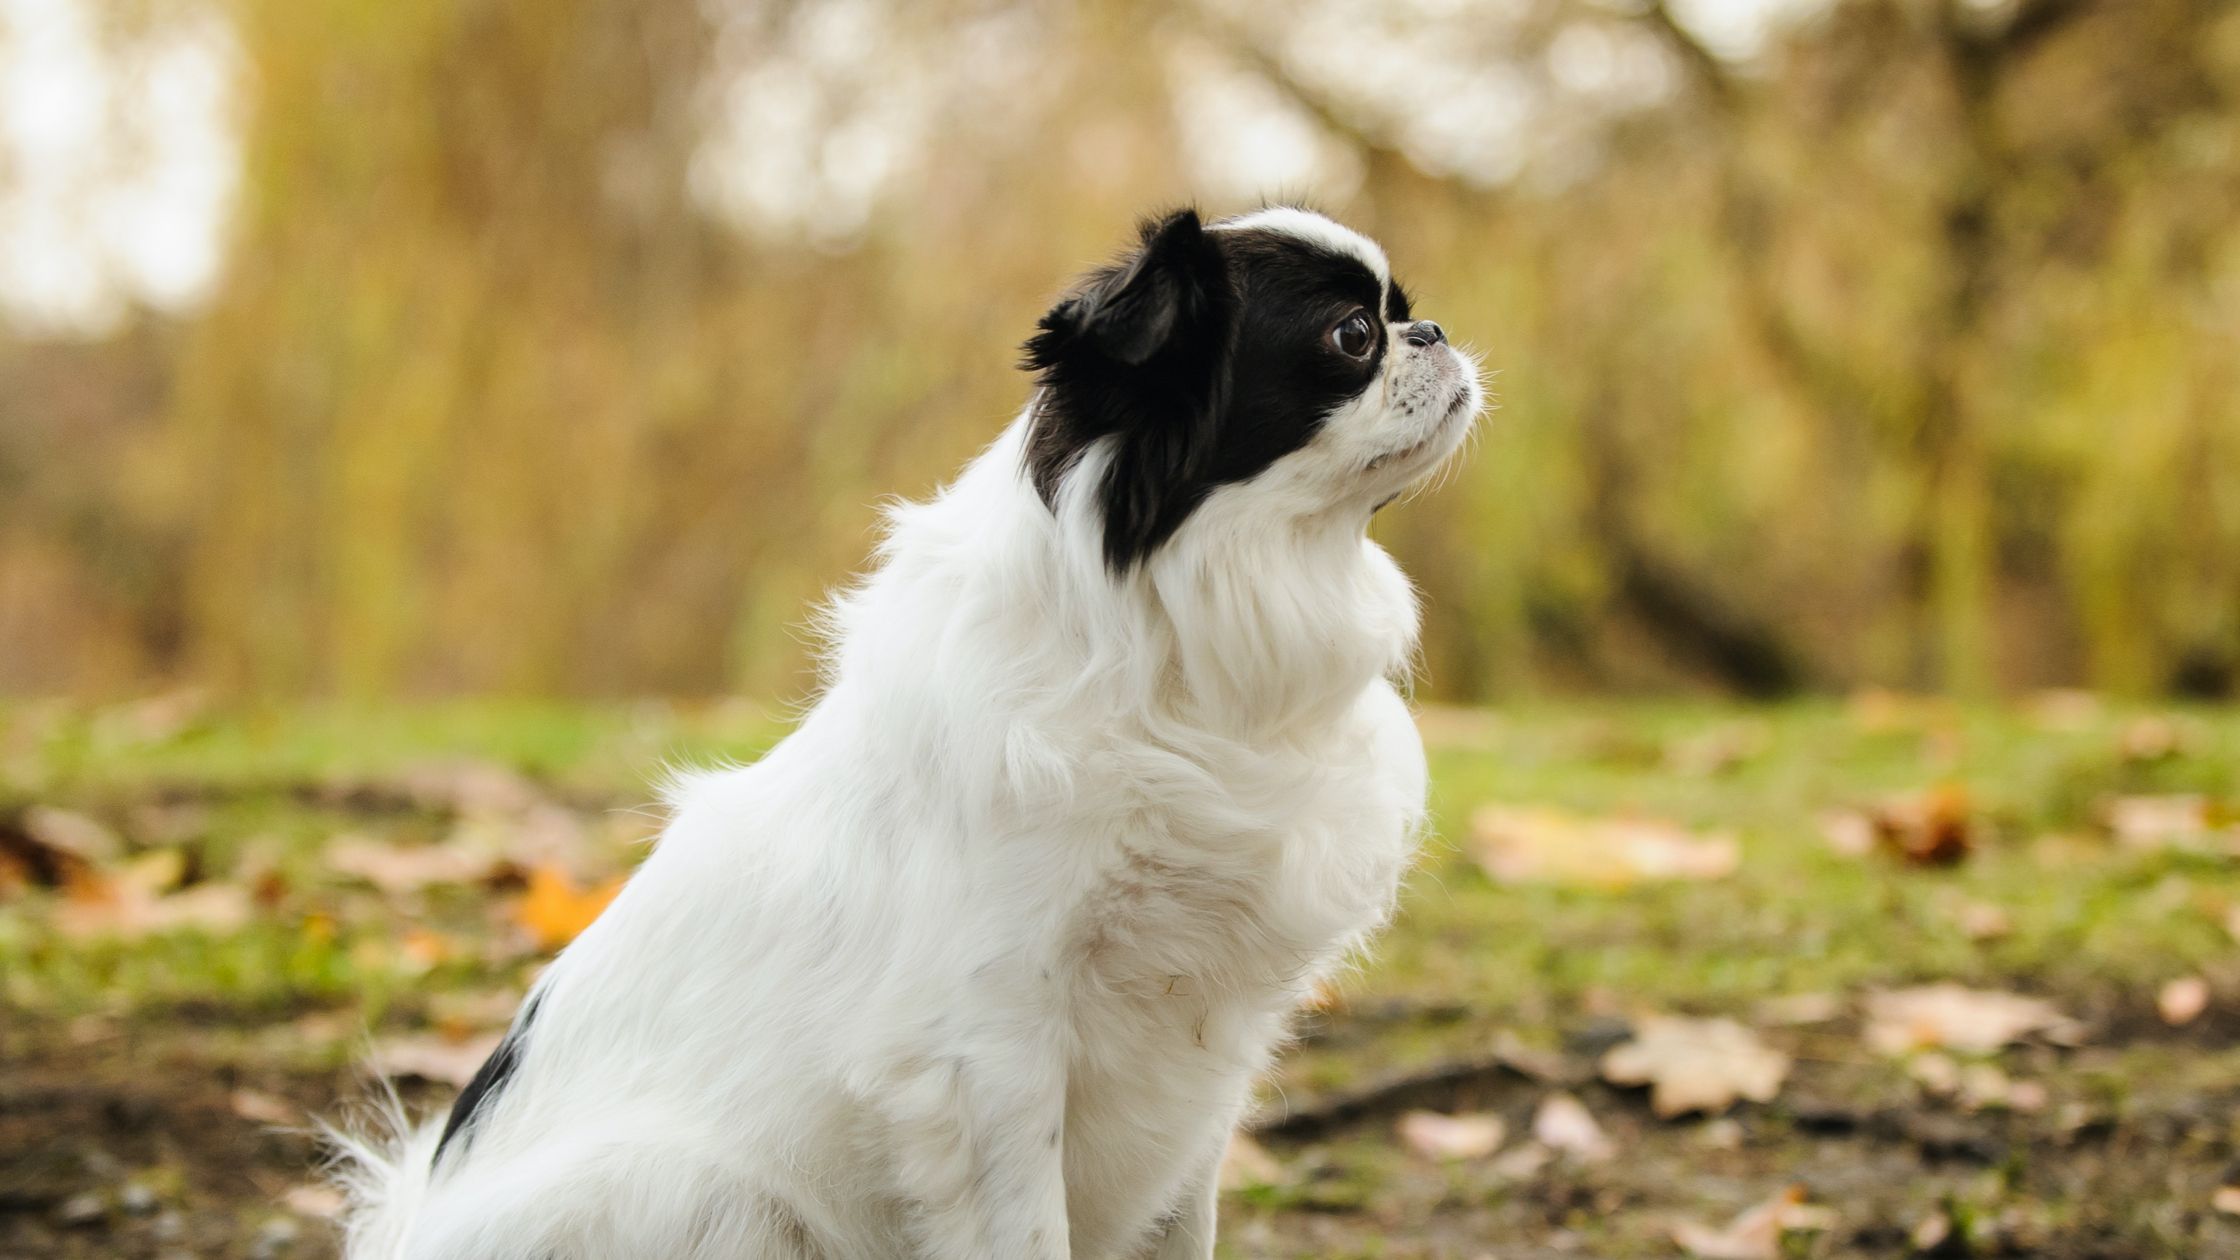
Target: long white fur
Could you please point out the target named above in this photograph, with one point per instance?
(981, 961)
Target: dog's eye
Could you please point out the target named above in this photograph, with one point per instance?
(1353, 337)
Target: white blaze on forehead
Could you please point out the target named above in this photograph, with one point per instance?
(1308, 226)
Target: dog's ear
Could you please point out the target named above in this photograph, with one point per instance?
(1135, 353)
(1156, 300)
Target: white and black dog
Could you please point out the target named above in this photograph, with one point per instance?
(1108, 770)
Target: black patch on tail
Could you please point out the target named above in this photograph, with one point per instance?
(488, 1079)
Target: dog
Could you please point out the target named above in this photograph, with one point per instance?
(1109, 768)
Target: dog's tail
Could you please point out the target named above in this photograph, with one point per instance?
(382, 1165)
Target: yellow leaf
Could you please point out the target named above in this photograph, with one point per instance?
(555, 910)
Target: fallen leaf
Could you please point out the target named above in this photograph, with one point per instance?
(399, 868)
(1544, 1066)
(1247, 1164)
(1458, 726)
(1953, 1017)
(1563, 1123)
(443, 1060)
(1521, 1162)
(1708, 754)
(151, 873)
(2182, 1000)
(315, 1200)
(555, 910)
(1541, 845)
(2150, 738)
(1848, 832)
(65, 831)
(1696, 1064)
(2182, 821)
(1982, 921)
(156, 719)
(2065, 710)
(1756, 1233)
(1722, 1134)
(1983, 1085)
(1799, 1008)
(464, 1013)
(1939, 1074)
(467, 786)
(129, 911)
(1471, 1136)
(1931, 828)
(262, 1108)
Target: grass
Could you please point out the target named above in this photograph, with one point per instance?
(2087, 917)
(260, 795)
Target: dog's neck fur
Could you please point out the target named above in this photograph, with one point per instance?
(1259, 623)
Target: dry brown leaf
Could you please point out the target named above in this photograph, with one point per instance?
(65, 831)
(1696, 1064)
(556, 910)
(1848, 832)
(1756, 1233)
(1247, 1164)
(314, 1199)
(1458, 726)
(263, 1108)
(1931, 1232)
(1722, 1134)
(2182, 1000)
(2028, 1097)
(151, 873)
(130, 911)
(1563, 1123)
(1542, 845)
(2065, 710)
(467, 786)
(2185, 822)
(1975, 1086)
(1544, 1066)
(1521, 1162)
(400, 868)
(1931, 828)
(1939, 1074)
(1953, 1017)
(2151, 738)
(443, 1060)
(1799, 1008)
(1708, 754)
(1983, 921)
(1434, 1136)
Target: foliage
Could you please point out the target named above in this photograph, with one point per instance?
(1900, 348)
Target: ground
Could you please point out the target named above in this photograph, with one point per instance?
(208, 919)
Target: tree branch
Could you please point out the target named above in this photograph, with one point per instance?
(1230, 35)
(1701, 65)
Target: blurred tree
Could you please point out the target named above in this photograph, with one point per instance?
(566, 345)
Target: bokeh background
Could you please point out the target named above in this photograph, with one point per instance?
(566, 346)
(424, 421)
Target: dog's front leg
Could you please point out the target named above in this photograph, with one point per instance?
(1190, 1227)
(980, 1140)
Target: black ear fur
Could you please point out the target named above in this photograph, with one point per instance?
(1135, 351)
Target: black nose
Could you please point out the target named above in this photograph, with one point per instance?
(1424, 333)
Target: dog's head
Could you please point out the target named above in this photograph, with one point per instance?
(1273, 352)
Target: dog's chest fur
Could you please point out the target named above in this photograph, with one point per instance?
(1191, 949)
